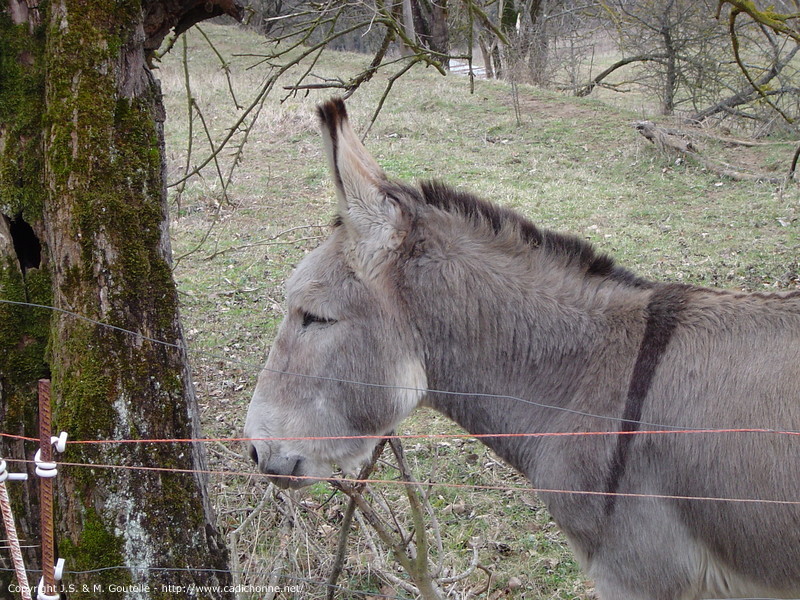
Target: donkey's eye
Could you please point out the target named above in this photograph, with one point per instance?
(310, 318)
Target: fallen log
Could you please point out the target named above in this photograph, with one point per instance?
(679, 142)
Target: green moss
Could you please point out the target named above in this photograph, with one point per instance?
(24, 331)
(23, 341)
(103, 158)
(97, 547)
(21, 92)
(86, 387)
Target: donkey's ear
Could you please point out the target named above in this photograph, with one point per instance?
(374, 220)
(355, 173)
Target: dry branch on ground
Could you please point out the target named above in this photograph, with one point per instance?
(680, 142)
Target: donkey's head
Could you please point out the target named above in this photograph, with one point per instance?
(346, 361)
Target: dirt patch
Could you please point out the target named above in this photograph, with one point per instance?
(556, 108)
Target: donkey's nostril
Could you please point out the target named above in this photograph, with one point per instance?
(254, 453)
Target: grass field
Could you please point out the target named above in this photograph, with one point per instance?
(571, 164)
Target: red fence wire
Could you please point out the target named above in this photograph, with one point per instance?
(443, 484)
(525, 489)
(419, 436)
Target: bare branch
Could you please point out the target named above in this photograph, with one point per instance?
(386, 91)
(414, 560)
(587, 89)
(671, 140)
(190, 120)
(210, 139)
(270, 241)
(225, 65)
(779, 23)
(344, 530)
(793, 168)
(756, 86)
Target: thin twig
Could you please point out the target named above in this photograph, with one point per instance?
(226, 67)
(202, 241)
(237, 156)
(420, 576)
(464, 574)
(377, 564)
(189, 100)
(344, 530)
(262, 93)
(386, 91)
(213, 152)
(489, 578)
(341, 547)
(270, 241)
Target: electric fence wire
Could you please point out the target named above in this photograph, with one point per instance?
(659, 428)
(257, 367)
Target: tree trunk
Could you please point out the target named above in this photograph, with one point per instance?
(671, 75)
(671, 61)
(425, 23)
(486, 53)
(440, 30)
(408, 27)
(430, 25)
(538, 47)
(84, 205)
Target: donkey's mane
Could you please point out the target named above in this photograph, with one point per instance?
(575, 250)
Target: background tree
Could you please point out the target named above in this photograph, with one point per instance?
(430, 27)
(682, 52)
(83, 228)
(678, 43)
(350, 26)
(522, 52)
(769, 83)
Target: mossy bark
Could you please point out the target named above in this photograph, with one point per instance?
(24, 331)
(82, 162)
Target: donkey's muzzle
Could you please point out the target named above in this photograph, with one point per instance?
(288, 473)
(284, 471)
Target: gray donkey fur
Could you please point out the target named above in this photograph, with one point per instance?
(424, 290)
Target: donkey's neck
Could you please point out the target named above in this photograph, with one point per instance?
(533, 358)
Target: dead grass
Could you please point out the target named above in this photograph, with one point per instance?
(571, 164)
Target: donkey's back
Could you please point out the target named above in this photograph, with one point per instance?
(725, 517)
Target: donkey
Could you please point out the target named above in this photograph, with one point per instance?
(430, 296)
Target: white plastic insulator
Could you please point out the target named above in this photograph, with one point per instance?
(5, 475)
(40, 595)
(44, 469)
(60, 442)
(58, 571)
